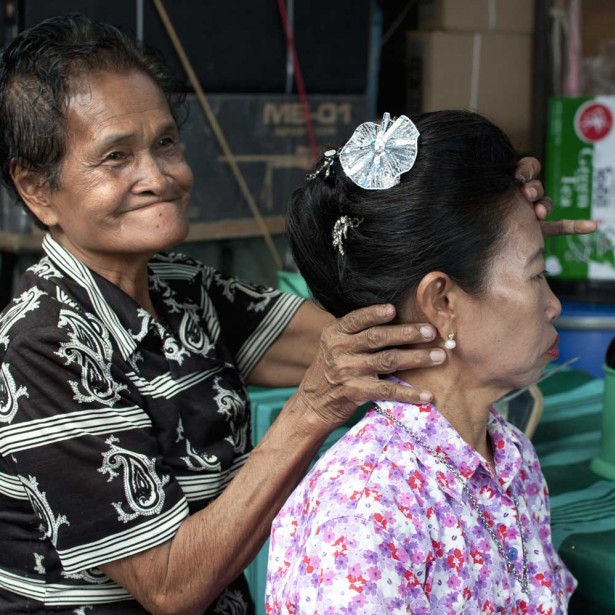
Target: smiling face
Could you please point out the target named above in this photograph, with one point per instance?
(124, 184)
(506, 336)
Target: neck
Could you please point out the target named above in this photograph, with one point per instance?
(465, 404)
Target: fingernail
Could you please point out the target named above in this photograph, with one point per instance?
(427, 332)
(425, 396)
(387, 310)
(437, 355)
(521, 178)
(532, 194)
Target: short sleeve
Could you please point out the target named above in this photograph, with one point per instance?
(251, 317)
(83, 448)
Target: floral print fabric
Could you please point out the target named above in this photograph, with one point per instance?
(380, 525)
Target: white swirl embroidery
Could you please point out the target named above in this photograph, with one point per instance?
(143, 488)
(233, 407)
(194, 460)
(90, 348)
(51, 525)
(9, 394)
(38, 563)
(95, 576)
(192, 335)
(197, 461)
(26, 302)
(262, 296)
(46, 269)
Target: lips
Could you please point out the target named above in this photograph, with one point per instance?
(553, 351)
(159, 201)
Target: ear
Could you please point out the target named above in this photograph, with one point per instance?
(438, 297)
(34, 192)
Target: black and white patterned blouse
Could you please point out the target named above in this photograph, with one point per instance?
(114, 426)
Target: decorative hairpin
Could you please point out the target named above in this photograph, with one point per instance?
(377, 154)
(340, 231)
(325, 167)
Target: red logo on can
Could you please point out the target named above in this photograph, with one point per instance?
(593, 121)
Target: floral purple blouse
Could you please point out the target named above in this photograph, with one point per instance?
(380, 525)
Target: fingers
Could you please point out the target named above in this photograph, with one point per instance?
(376, 338)
(543, 208)
(332, 407)
(533, 190)
(528, 169)
(568, 227)
(387, 390)
(387, 361)
(364, 318)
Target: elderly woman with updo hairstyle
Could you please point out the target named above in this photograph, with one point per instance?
(436, 507)
(128, 483)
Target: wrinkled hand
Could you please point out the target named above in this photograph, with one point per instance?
(356, 348)
(532, 189)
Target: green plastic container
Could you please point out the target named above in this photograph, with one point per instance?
(292, 282)
(604, 464)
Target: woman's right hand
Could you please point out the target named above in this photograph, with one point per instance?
(353, 351)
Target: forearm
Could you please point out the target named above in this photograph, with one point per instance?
(214, 545)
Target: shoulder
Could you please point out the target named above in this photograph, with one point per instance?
(33, 312)
(174, 267)
(359, 475)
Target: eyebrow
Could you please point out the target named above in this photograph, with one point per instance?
(123, 137)
(540, 253)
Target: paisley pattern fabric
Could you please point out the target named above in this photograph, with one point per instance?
(115, 426)
(380, 525)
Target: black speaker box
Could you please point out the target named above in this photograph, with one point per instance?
(239, 45)
(121, 13)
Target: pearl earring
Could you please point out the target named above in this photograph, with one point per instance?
(450, 343)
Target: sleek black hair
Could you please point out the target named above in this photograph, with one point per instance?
(446, 214)
(39, 70)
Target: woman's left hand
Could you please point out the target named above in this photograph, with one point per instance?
(528, 170)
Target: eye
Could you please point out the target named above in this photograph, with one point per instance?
(115, 156)
(166, 142)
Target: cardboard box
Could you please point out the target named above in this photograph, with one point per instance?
(580, 178)
(484, 72)
(477, 15)
(597, 25)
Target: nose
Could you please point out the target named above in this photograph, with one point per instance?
(554, 306)
(151, 176)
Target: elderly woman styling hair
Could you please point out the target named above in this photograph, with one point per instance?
(124, 422)
(438, 507)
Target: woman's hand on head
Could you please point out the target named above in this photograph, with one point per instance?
(354, 350)
(528, 170)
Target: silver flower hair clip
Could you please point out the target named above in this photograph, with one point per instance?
(325, 167)
(340, 231)
(377, 154)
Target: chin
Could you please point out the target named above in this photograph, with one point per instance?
(170, 233)
(173, 239)
(528, 377)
